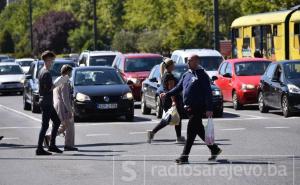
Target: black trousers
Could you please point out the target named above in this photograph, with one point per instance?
(48, 112)
(163, 124)
(194, 128)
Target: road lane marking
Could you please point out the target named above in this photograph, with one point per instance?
(233, 129)
(20, 113)
(276, 127)
(134, 133)
(11, 138)
(95, 135)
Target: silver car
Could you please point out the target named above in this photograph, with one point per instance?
(11, 77)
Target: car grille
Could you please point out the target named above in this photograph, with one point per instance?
(100, 99)
(7, 83)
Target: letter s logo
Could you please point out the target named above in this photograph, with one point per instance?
(131, 172)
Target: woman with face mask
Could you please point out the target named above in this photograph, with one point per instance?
(62, 104)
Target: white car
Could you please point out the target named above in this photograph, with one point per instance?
(210, 59)
(25, 63)
(11, 77)
(97, 58)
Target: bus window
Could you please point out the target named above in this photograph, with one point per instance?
(296, 35)
(235, 36)
(268, 41)
(246, 50)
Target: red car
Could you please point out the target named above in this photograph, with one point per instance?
(135, 68)
(239, 80)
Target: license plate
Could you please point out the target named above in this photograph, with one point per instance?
(107, 106)
(10, 86)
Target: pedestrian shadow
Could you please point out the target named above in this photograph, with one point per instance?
(234, 162)
(229, 115)
(110, 119)
(5, 146)
(100, 151)
(110, 144)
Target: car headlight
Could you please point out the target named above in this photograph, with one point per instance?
(216, 93)
(134, 80)
(293, 89)
(82, 97)
(127, 96)
(248, 87)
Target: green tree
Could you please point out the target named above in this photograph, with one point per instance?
(125, 41)
(6, 42)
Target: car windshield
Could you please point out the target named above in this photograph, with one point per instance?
(3, 58)
(102, 60)
(251, 68)
(141, 64)
(292, 70)
(25, 63)
(10, 70)
(210, 63)
(55, 71)
(179, 71)
(88, 77)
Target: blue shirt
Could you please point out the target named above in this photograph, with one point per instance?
(196, 89)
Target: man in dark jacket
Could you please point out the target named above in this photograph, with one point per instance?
(197, 99)
(46, 102)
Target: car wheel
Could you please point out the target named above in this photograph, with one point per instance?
(158, 110)
(261, 103)
(145, 109)
(285, 106)
(235, 102)
(26, 105)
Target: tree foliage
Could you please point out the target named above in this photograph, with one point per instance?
(6, 42)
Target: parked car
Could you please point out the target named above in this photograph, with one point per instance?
(101, 91)
(11, 77)
(280, 88)
(3, 57)
(31, 82)
(210, 59)
(24, 63)
(97, 58)
(239, 79)
(135, 68)
(151, 100)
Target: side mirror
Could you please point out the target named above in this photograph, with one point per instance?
(27, 77)
(214, 78)
(153, 80)
(227, 75)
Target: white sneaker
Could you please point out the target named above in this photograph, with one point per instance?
(180, 140)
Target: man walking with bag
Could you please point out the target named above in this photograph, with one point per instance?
(197, 99)
(46, 87)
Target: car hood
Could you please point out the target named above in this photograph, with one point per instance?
(143, 74)
(254, 80)
(11, 78)
(103, 90)
(295, 82)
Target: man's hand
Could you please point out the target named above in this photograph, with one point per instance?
(162, 95)
(209, 114)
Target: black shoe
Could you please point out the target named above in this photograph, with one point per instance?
(42, 152)
(68, 148)
(182, 160)
(55, 149)
(215, 154)
(1, 137)
(47, 141)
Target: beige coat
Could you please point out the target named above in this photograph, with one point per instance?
(62, 101)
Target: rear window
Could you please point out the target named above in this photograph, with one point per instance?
(102, 60)
(10, 70)
(251, 68)
(292, 70)
(55, 71)
(25, 63)
(211, 63)
(141, 64)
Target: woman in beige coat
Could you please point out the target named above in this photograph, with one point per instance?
(63, 106)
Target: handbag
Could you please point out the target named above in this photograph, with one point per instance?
(209, 132)
(171, 117)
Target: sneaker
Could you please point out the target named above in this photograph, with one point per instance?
(214, 155)
(47, 141)
(55, 149)
(42, 152)
(150, 136)
(69, 148)
(182, 160)
(180, 140)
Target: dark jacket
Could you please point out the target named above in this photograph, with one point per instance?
(45, 87)
(196, 89)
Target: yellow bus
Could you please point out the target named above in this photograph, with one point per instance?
(275, 34)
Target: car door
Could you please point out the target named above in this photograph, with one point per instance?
(28, 80)
(274, 87)
(265, 83)
(227, 83)
(220, 81)
(153, 86)
(146, 89)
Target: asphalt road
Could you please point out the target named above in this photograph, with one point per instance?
(258, 149)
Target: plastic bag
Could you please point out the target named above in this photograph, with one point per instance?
(209, 132)
(171, 116)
